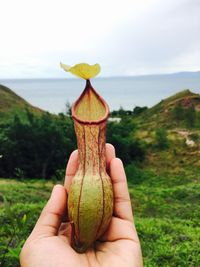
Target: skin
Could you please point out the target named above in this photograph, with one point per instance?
(49, 243)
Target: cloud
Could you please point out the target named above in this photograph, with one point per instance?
(126, 38)
(164, 34)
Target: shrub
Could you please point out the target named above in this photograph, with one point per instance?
(136, 175)
(178, 112)
(122, 136)
(161, 138)
(37, 146)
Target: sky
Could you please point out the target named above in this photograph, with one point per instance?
(129, 37)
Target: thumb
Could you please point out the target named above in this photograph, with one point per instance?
(50, 219)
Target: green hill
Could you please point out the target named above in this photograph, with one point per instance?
(11, 103)
(179, 116)
(166, 198)
(175, 121)
(164, 113)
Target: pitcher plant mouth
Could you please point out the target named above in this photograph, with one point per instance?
(90, 107)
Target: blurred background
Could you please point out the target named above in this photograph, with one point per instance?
(149, 52)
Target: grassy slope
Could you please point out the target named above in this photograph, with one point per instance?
(23, 198)
(167, 201)
(178, 154)
(161, 114)
(11, 103)
(167, 216)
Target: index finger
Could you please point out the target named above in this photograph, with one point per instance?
(122, 202)
(72, 166)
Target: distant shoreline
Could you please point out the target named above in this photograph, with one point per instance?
(154, 75)
(127, 92)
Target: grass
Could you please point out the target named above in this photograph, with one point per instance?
(166, 211)
(168, 242)
(20, 205)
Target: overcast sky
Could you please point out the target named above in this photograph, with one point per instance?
(127, 37)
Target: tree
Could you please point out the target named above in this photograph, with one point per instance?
(138, 110)
(190, 116)
(68, 107)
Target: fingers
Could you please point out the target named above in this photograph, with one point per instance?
(110, 154)
(122, 203)
(50, 219)
(120, 229)
(65, 232)
(73, 164)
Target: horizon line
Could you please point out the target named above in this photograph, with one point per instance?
(105, 77)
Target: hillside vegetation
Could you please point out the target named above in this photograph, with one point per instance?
(175, 125)
(11, 103)
(160, 147)
(167, 113)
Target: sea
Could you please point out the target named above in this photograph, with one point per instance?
(119, 92)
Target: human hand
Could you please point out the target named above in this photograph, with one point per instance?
(49, 243)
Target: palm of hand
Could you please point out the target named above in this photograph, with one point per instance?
(49, 245)
(58, 252)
